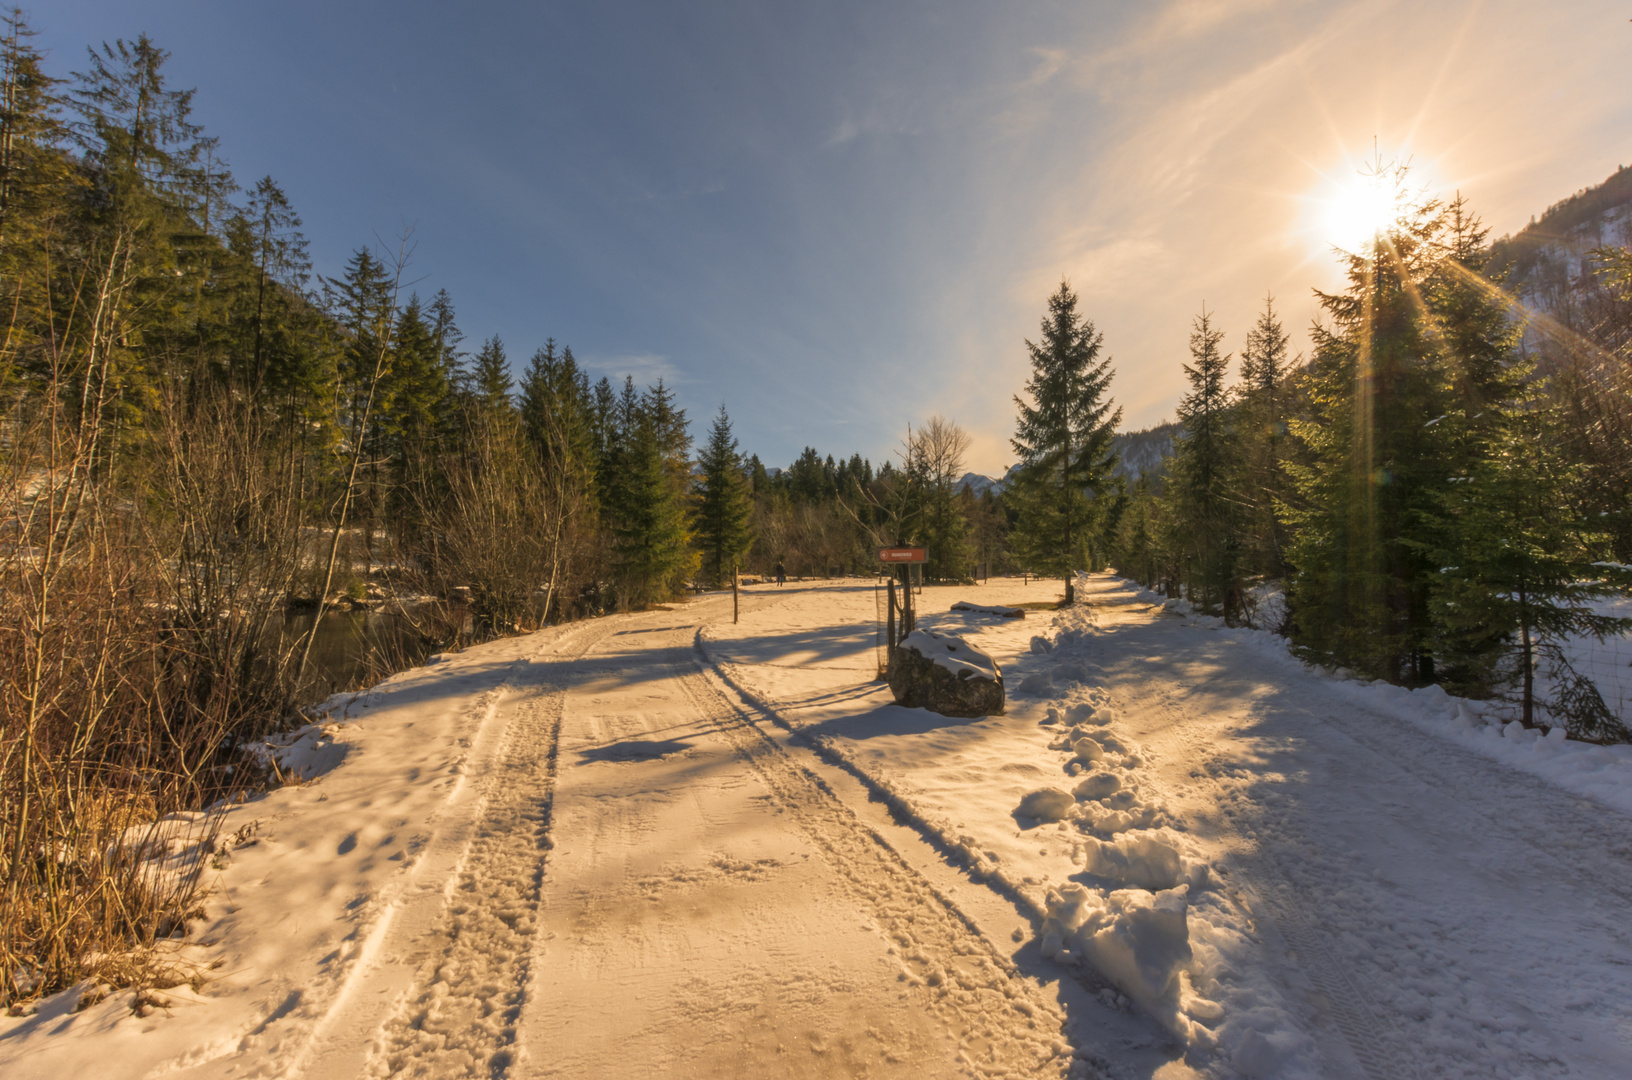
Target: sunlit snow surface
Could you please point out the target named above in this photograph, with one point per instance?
(1298, 875)
(1255, 869)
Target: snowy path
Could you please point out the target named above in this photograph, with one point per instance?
(667, 845)
(715, 911)
(1453, 916)
(571, 854)
(1374, 901)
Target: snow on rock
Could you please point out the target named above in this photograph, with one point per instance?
(981, 609)
(952, 653)
(1047, 804)
(946, 675)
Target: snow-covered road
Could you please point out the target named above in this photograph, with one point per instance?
(1447, 916)
(666, 845)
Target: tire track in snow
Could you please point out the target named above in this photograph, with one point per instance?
(1003, 1024)
(460, 1019)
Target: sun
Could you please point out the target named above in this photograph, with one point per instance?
(1355, 212)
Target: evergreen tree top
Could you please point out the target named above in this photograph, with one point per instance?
(1067, 426)
(1264, 359)
(492, 375)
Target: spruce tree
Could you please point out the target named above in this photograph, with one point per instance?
(416, 385)
(646, 515)
(34, 176)
(1203, 467)
(724, 505)
(277, 249)
(1377, 468)
(556, 416)
(557, 412)
(1064, 443)
(1520, 575)
(603, 427)
(363, 302)
(490, 380)
(673, 433)
(1264, 406)
(446, 336)
(1515, 547)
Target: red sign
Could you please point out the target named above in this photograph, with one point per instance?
(897, 555)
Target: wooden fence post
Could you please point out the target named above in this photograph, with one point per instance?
(889, 625)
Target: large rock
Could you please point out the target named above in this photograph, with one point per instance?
(946, 675)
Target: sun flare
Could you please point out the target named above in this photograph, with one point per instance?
(1357, 211)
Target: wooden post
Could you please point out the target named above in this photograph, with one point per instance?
(908, 622)
(889, 624)
(734, 578)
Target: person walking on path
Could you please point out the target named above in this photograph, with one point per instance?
(781, 575)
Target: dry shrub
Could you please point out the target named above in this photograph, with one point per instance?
(133, 631)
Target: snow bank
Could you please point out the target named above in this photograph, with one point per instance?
(1603, 773)
(305, 753)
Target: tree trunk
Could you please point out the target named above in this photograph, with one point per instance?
(1527, 659)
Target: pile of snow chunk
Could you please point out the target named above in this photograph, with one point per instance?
(1148, 859)
(1139, 940)
(1047, 804)
(1130, 916)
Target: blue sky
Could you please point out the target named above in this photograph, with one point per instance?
(840, 218)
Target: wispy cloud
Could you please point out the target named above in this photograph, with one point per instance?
(645, 368)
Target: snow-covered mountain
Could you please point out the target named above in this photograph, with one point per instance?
(1138, 453)
(980, 484)
(1549, 263)
(1144, 453)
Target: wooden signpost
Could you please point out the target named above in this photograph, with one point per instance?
(903, 557)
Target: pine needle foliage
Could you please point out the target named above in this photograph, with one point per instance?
(1063, 488)
(725, 505)
(1204, 462)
